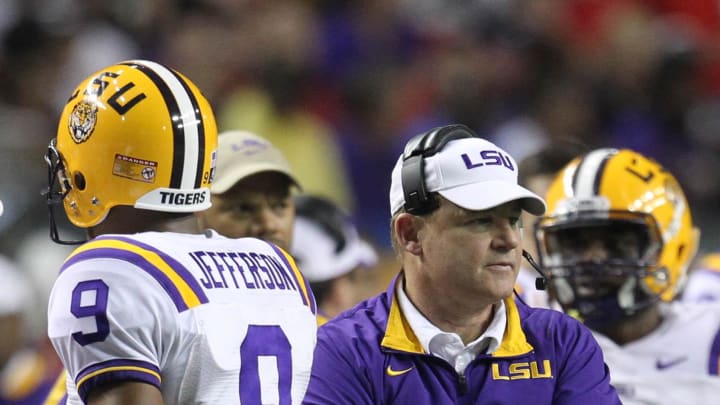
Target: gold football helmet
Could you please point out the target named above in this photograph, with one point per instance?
(138, 134)
(618, 235)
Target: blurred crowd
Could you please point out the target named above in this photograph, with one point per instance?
(339, 86)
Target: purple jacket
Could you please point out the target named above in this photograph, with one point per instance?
(369, 355)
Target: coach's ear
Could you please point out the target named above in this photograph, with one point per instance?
(408, 228)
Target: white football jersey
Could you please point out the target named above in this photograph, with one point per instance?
(703, 285)
(675, 364)
(206, 319)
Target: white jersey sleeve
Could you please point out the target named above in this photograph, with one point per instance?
(675, 364)
(703, 284)
(206, 320)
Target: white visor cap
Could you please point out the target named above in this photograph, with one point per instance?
(474, 174)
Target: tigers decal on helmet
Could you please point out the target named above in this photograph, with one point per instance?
(82, 121)
(138, 134)
(638, 212)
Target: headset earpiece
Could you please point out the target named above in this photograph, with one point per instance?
(418, 201)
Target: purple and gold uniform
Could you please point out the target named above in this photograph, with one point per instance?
(26, 379)
(204, 318)
(670, 365)
(370, 355)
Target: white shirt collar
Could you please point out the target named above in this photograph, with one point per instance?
(449, 345)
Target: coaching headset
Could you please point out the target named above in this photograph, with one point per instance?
(418, 201)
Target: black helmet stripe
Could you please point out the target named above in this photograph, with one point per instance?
(183, 108)
(200, 130)
(588, 176)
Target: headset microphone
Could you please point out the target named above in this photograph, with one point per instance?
(540, 282)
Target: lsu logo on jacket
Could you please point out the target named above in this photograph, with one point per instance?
(522, 370)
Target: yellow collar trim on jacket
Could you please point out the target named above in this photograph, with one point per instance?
(400, 336)
(398, 333)
(514, 342)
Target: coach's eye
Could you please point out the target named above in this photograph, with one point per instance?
(482, 221)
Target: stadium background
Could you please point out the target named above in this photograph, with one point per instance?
(341, 85)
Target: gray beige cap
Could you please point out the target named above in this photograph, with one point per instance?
(242, 154)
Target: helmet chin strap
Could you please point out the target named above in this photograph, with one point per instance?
(625, 296)
(54, 231)
(56, 192)
(602, 311)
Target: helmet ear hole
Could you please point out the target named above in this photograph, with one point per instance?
(80, 181)
(681, 250)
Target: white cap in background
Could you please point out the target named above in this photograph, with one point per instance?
(326, 244)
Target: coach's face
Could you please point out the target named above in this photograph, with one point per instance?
(474, 255)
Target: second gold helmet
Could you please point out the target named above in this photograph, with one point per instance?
(606, 194)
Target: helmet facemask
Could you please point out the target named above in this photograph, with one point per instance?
(613, 194)
(59, 186)
(602, 264)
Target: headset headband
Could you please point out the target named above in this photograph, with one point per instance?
(418, 201)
